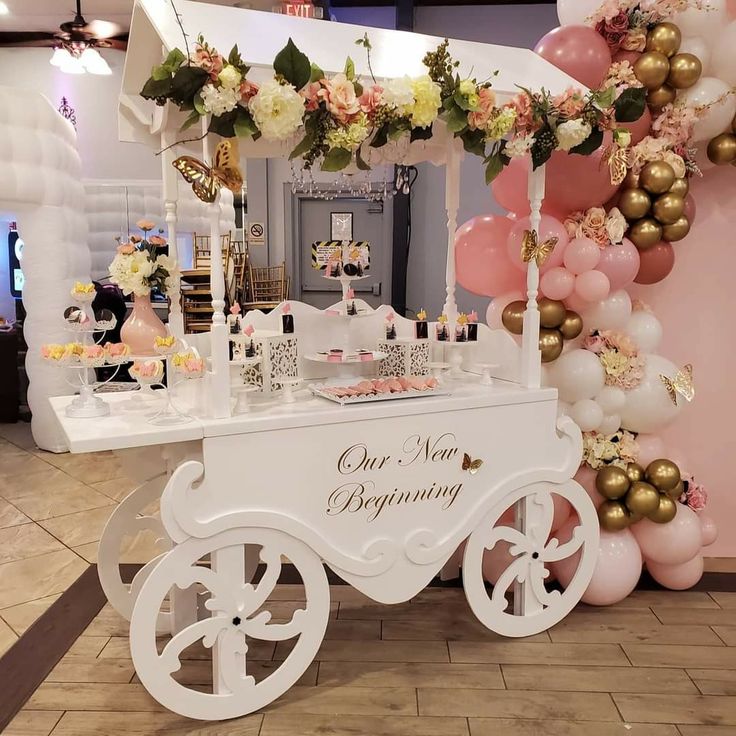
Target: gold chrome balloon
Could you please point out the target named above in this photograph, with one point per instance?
(722, 149)
(666, 510)
(651, 69)
(677, 231)
(572, 326)
(665, 38)
(613, 516)
(685, 70)
(550, 344)
(663, 474)
(657, 177)
(513, 317)
(661, 96)
(631, 181)
(681, 187)
(551, 313)
(645, 233)
(612, 482)
(642, 498)
(634, 203)
(677, 491)
(635, 472)
(668, 208)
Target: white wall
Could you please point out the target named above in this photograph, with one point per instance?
(95, 100)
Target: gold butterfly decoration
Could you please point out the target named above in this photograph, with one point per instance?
(681, 384)
(472, 465)
(207, 180)
(532, 249)
(618, 163)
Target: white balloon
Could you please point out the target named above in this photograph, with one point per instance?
(578, 375)
(717, 118)
(645, 330)
(587, 415)
(649, 407)
(697, 46)
(610, 424)
(610, 314)
(576, 12)
(723, 60)
(704, 21)
(611, 399)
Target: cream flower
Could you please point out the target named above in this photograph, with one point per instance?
(469, 90)
(351, 136)
(427, 101)
(616, 225)
(572, 133)
(398, 93)
(676, 162)
(500, 124)
(219, 101)
(277, 109)
(230, 77)
(519, 146)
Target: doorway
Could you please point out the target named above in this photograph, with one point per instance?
(318, 223)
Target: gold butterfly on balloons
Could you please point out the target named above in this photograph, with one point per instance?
(532, 249)
(618, 163)
(207, 180)
(681, 384)
(472, 465)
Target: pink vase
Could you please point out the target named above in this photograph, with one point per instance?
(142, 327)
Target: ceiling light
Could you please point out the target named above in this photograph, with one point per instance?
(94, 63)
(72, 65)
(59, 57)
(78, 60)
(4, 9)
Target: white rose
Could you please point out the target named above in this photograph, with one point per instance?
(676, 162)
(230, 77)
(572, 133)
(219, 101)
(277, 109)
(519, 146)
(399, 93)
(616, 225)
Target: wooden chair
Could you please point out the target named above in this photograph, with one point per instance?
(203, 250)
(268, 287)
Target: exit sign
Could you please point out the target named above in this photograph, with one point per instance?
(300, 8)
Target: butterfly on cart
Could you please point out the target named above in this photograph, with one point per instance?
(207, 180)
(681, 384)
(532, 249)
(471, 465)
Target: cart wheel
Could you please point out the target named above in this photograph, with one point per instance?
(128, 520)
(237, 631)
(535, 608)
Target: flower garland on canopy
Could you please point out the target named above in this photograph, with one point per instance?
(336, 116)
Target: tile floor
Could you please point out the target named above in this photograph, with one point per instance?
(658, 664)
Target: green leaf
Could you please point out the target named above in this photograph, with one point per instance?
(244, 125)
(224, 125)
(397, 128)
(604, 98)
(316, 73)
(358, 88)
(350, 69)
(494, 166)
(591, 143)
(234, 57)
(421, 134)
(360, 162)
(187, 81)
(456, 119)
(173, 60)
(155, 88)
(336, 159)
(304, 145)
(630, 104)
(198, 104)
(160, 72)
(461, 101)
(293, 65)
(474, 142)
(194, 117)
(381, 137)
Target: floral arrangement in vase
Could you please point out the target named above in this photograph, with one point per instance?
(139, 267)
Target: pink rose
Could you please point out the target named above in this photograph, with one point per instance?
(522, 104)
(614, 30)
(339, 95)
(696, 496)
(247, 90)
(207, 59)
(595, 343)
(371, 99)
(478, 120)
(570, 103)
(310, 93)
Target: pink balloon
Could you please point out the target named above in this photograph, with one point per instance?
(562, 509)
(640, 128)
(630, 56)
(708, 529)
(586, 477)
(656, 263)
(576, 304)
(620, 263)
(579, 51)
(576, 182)
(678, 577)
(617, 569)
(496, 560)
(690, 208)
(496, 307)
(651, 447)
(581, 255)
(480, 256)
(549, 227)
(593, 286)
(672, 543)
(557, 283)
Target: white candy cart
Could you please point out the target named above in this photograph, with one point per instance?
(385, 495)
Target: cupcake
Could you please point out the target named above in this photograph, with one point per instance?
(84, 293)
(52, 352)
(92, 356)
(117, 352)
(164, 345)
(189, 365)
(72, 351)
(147, 371)
(421, 330)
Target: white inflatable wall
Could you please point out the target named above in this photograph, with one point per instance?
(41, 187)
(112, 207)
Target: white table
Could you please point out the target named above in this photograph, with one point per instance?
(376, 492)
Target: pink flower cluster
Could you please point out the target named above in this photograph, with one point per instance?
(522, 105)
(614, 30)
(619, 356)
(338, 94)
(208, 59)
(570, 103)
(478, 119)
(695, 496)
(675, 124)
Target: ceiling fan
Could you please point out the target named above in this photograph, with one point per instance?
(74, 44)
